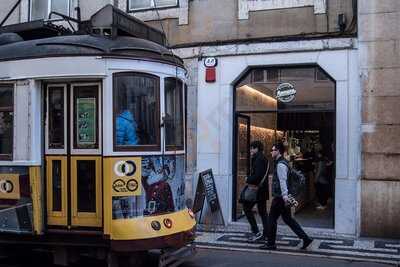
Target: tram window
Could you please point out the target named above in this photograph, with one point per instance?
(173, 120)
(86, 117)
(136, 112)
(40, 9)
(86, 185)
(147, 4)
(128, 207)
(57, 184)
(56, 117)
(6, 121)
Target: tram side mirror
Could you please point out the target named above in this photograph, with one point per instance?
(162, 121)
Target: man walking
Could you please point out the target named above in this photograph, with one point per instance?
(259, 169)
(280, 205)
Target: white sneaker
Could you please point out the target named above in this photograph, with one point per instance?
(256, 237)
(320, 207)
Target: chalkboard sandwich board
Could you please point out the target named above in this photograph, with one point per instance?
(206, 189)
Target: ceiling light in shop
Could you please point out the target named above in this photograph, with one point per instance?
(257, 93)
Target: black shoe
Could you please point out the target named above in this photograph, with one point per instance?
(306, 243)
(268, 247)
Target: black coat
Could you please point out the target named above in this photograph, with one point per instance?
(259, 165)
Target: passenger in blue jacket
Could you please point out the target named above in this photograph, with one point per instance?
(126, 129)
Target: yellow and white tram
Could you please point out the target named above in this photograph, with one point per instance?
(92, 140)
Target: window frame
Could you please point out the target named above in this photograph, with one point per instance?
(48, 149)
(137, 148)
(318, 70)
(152, 6)
(174, 147)
(49, 2)
(9, 157)
(73, 97)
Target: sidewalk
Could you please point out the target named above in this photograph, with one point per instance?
(234, 237)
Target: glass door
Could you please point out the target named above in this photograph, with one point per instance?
(73, 155)
(242, 158)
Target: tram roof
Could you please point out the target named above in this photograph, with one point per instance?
(109, 33)
(88, 45)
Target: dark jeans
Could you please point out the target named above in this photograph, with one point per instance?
(322, 192)
(262, 211)
(278, 208)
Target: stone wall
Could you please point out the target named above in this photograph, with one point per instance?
(222, 20)
(379, 34)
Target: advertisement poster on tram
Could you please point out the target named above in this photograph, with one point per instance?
(86, 118)
(163, 181)
(162, 189)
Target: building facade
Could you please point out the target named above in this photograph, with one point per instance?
(379, 68)
(333, 54)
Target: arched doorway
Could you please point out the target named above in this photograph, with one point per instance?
(294, 104)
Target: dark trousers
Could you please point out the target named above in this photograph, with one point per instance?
(278, 208)
(262, 211)
(322, 192)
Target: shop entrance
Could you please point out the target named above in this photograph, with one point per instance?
(295, 105)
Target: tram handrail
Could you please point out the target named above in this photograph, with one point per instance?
(136, 48)
(72, 44)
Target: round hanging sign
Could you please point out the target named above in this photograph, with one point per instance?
(285, 92)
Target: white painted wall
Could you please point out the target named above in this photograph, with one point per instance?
(27, 132)
(21, 144)
(52, 67)
(214, 137)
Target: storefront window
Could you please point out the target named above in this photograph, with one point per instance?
(147, 4)
(136, 112)
(6, 121)
(40, 9)
(173, 120)
(295, 105)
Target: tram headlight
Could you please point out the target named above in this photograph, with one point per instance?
(168, 223)
(156, 225)
(191, 213)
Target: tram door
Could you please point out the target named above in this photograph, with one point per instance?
(73, 155)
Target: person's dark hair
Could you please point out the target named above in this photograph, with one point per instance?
(257, 144)
(280, 147)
